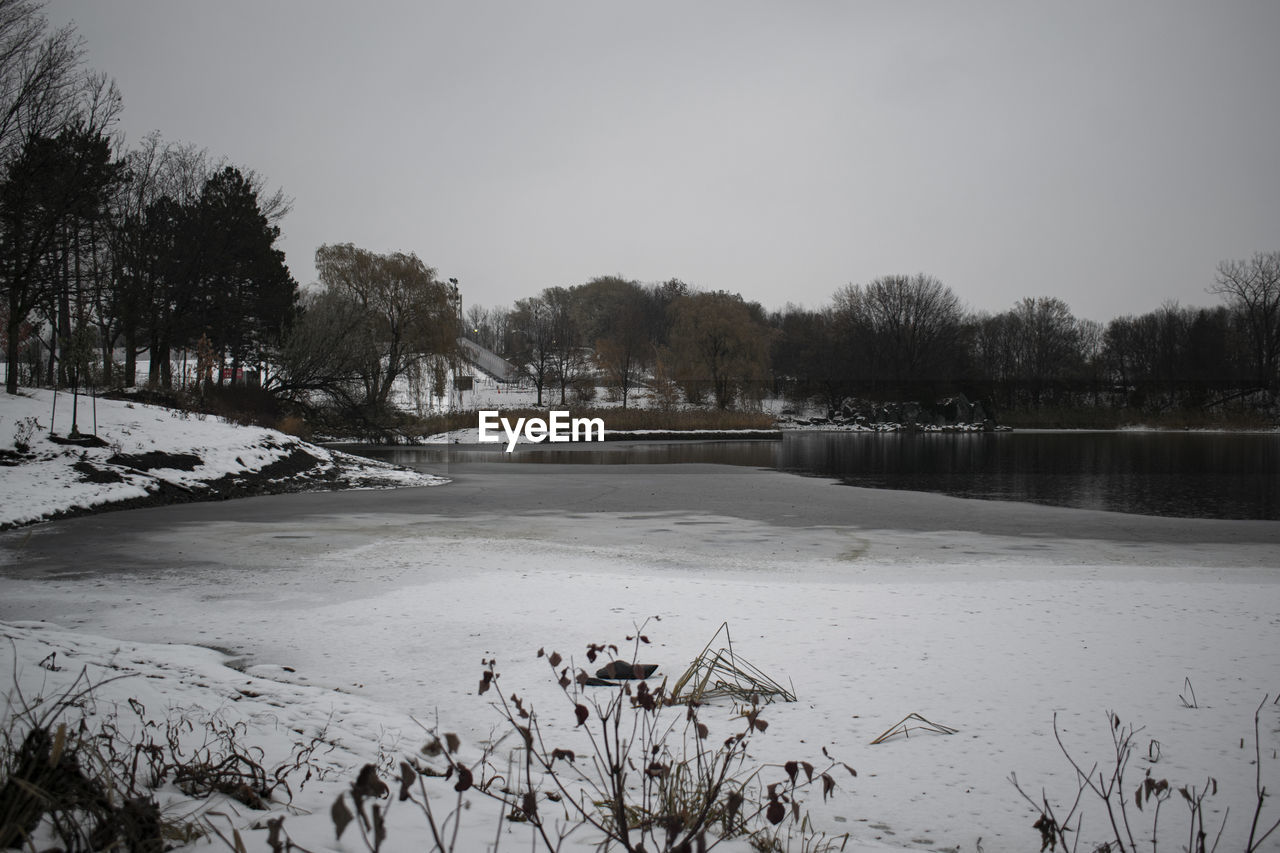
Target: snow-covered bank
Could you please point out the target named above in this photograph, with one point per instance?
(991, 635)
(148, 454)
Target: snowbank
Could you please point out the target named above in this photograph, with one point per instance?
(148, 454)
(385, 618)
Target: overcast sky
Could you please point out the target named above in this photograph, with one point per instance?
(1108, 153)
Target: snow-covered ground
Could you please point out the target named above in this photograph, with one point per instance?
(360, 623)
(149, 451)
(366, 625)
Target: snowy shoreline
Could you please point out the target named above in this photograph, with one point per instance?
(137, 455)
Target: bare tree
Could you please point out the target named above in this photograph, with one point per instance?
(1047, 343)
(716, 343)
(405, 313)
(904, 329)
(43, 93)
(39, 76)
(533, 336)
(567, 359)
(614, 317)
(323, 357)
(1252, 289)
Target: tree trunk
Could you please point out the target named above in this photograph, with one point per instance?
(11, 349)
(166, 368)
(130, 378)
(153, 364)
(51, 376)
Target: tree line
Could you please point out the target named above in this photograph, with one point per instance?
(151, 249)
(111, 255)
(894, 338)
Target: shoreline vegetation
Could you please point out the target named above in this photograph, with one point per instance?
(252, 407)
(721, 425)
(615, 419)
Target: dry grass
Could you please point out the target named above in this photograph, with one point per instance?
(614, 419)
(89, 782)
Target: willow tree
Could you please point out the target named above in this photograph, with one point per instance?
(717, 343)
(395, 313)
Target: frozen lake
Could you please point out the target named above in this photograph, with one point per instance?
(1183, 474)
(376, 607)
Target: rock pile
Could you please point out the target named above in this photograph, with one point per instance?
(951, 414)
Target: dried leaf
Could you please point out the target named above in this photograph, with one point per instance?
(485, 680)
(808, 770)
(793, 770)
(555, 659)
(368, 784)
(464, 778)
(407, 778)
(529, 804)
(452, 742)
(341, 815)
(852, 772)
(563, 754)
(582, 713)
(274, 827)
(703, 731)
(775, 813)
(735, 802)
(656, 770)
(828, 785)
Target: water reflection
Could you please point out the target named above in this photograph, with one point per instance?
(1208, 475)
(755, 454)
(1176, 474)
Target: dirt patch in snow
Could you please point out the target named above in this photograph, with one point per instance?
(157, 459)
(91, 473)
(297, 471)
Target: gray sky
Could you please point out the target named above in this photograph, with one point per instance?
(1108, 153)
